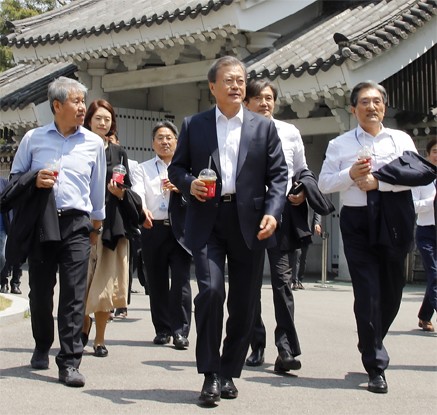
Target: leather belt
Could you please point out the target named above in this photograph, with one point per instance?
(228, 198)
(356, 208)
(164, 222)
(70, 212)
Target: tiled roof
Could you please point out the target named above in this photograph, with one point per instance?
(359, 32)
(26, 84)
(111, 15)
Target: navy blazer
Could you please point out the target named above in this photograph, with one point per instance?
(35, 217)
(391, 214)
(261, 175)
(177, 209)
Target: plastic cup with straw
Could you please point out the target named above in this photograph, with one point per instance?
(209, 178)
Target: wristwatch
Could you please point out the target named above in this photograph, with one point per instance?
(98, 231)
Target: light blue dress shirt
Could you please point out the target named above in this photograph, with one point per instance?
(81, 182)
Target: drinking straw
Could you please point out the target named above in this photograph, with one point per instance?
(209, 163)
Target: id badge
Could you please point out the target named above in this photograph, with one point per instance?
(163, 206)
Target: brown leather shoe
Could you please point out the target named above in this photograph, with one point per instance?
(426, 325)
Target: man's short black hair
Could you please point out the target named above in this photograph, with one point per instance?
(255, 87)
(364, 85)
(165, 124)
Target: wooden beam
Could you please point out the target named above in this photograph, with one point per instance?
(154, 77)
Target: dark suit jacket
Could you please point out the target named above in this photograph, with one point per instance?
(410, 169)
(261, 163)
(177, 210)
(295, 230)
(123, 217)
(35, 218)
(6, 216)
(391, 214)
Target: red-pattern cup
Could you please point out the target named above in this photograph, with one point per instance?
(118, 173)
(209, 177)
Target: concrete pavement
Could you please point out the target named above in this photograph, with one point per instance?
(139, 377)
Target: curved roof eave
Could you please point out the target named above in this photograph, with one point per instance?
(366, 31)
(78, 18)
(24, 85)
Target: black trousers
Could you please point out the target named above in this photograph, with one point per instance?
(69, 257)
(286, 337)
(426, 243)
(378, 279)
(9, 269)
(244, 282)
(170, 306)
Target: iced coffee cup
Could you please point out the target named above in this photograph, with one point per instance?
(365, 153)
(118, 173)
(209, 177)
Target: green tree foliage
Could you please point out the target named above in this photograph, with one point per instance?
(11, 10)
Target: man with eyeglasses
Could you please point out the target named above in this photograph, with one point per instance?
(59, 173)
(376, 266)
(237, 222)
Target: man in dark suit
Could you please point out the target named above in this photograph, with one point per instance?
(236, 223)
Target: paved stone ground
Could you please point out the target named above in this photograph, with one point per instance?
(140, 378)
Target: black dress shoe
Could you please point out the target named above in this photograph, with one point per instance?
(15, 289)
(211, 389)
(161, 338)
(228, 390)
(377, 383)
(180, 342)
(286, 361)
(71, 377)
(100, 350)
(256, 358)
(39, 360)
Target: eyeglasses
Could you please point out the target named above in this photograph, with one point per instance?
(231, 81)
(164, 137)
(260, 98)
(365, 102)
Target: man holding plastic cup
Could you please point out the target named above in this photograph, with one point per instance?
(67, 210)
(375, 254)
(236, 224)
(162, 241)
